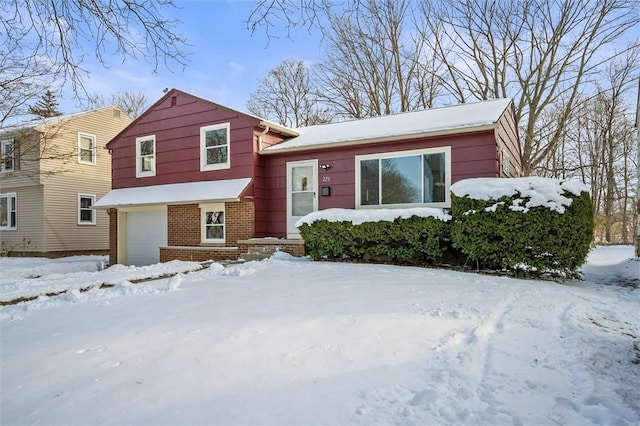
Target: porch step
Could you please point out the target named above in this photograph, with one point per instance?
(258, 253)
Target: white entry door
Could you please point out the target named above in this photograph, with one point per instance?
(302, 193)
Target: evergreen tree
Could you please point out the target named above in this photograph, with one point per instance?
(46, 107)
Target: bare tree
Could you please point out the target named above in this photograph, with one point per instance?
(543, 53)
(287, 95)
(132, 102)
(599, 147)
(373, 64)
(45, 41)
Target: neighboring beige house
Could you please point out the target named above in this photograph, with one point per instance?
(52, 171)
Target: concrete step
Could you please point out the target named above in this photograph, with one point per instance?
(248, 257)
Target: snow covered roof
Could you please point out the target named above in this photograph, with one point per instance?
(218, 190)
(397, 126)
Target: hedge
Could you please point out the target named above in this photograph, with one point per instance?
(503, 234)
(414, 239)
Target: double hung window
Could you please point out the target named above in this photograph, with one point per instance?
(8, 211)
(146, 156)
(7, 156)
(86, 210)
(214, 147)
(86, 148)
(212, 219)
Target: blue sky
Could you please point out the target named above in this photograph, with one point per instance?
(225, 60)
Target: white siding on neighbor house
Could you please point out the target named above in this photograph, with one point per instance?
(70, 177)
(29, 235)
(27, 168)
(63, 233)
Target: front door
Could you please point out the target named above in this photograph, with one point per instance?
(302, 193)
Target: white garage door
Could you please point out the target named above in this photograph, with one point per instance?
(146, 233)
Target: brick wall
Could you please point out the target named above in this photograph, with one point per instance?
(197, 254)
(113, 236)
(183, 225)
(184, 230)
(239, 222)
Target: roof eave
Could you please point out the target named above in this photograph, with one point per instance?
(278, 128)
(444, 132)
(163, 203)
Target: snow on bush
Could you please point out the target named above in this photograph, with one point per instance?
(534, 224)
(358, 217)
(537, 191)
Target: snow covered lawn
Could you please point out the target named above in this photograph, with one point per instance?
(290, 341)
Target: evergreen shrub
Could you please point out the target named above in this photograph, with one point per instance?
(412, 240)
(502, 234)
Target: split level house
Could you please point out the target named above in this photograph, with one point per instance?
(194, 180)
(52, 171)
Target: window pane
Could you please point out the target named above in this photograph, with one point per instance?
(147, 164)
(86, 155)
(85, 202)
(215, 137)
(86, 215)
(7, 156)
(401, 180)
(215, 232)
(3, 211)
(434, 177)
(86, 143)
(302, 178)
(217, 155)
(370, 182)
(214, 218)
(146, 147)
(301, 203)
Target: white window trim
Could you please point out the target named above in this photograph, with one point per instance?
(203, 152)
(204, 208)
(94, 147)
(8, 196)
(447, 195)
(3, 144)
(139, 172)
(93, 209)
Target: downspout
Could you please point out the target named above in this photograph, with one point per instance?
(264, 132)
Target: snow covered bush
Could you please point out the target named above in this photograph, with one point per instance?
(417, 235)
(533, 225)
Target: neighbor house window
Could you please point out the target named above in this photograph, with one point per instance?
(146, 156)
(420, 177)
(8, 211)
(86, 211)
(214, 147)
(212, 218)
(86, 148)
(7, 156)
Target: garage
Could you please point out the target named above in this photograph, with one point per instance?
(146, 233)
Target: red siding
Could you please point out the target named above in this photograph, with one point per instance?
(177, 132)
(472, 155)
